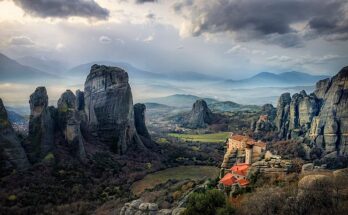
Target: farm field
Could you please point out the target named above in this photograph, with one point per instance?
(178, 173)
(205, 138)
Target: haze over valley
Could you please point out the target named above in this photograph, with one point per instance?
(173, 107)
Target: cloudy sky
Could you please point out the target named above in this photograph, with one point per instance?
(228, 38)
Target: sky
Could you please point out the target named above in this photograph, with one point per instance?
(228, 38)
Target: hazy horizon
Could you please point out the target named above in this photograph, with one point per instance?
(191, 38)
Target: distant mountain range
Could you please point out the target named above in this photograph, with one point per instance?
(267, 79)
(136, 73)
(186, 101)
(179, 100)
(43, 64)
(11, 70)
(36, 68)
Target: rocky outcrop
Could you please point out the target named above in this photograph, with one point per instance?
(13, 154)
(200, 115)
(139, 207)
(282, 118)
(321, 117)
(270, 111)
(330, 126)
(265, 123)
(109, 108)
(274, 165)
(139, 120)
(41, 125)
(69, 122)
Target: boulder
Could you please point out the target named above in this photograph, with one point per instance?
(178, 211)
(307, 167)
(12, 151)
(109, 108)
(41, 125)
(315, 182)
(200, 115)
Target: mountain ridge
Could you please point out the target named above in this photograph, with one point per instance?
(11, 70)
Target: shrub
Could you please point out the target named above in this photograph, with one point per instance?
(12, 197)
(49, 157)
(209, 202)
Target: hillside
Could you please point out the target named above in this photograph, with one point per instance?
(180, 100)
(267, 79)
(11, 70)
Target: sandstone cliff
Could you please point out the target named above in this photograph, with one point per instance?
(109, 108)
(200, 115)
(320, 118)
(13, 155)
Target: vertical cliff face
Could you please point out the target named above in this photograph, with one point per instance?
(330, 126)
(139, 119)
(321, 117)
(200, 115)
(282, 118)
(265, 123)
(69, 121)
(109, 108)
(41, 125)
(13, 155)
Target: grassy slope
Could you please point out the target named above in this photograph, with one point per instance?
(178, 173)
(206, 138)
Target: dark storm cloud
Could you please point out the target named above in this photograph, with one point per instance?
(144, 1)
(268, 20)
(63, 8)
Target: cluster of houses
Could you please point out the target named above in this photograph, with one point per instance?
(250, 150)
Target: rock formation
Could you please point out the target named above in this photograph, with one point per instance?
(321, 117)
(282, 118)
(69, 122)
(200, 115)
(330, 127)
(265, 122)
(139, 207)
(12, 151)
(139, 120)
(109, 108)
(41, 125)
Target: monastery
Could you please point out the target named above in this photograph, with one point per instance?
(242, 151)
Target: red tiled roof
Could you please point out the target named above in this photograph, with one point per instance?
(228, 179)
(243, 182)
(264, 117)
(240, 169)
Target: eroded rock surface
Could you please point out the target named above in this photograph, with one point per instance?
(321, 117)
(69, 122)
(139, 118)
(41, 125)
(12, 151)
(200, 115)
(109, 108)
